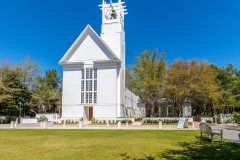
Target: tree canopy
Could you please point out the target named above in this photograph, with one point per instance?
(22, 82)
(209, 88)
(148, 76)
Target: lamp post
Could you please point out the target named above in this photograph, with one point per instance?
(20, 104)
(233, 115)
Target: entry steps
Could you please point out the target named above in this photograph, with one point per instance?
(136, 124)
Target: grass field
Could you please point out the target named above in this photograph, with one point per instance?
(111, 144)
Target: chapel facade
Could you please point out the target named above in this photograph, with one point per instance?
(94, 71)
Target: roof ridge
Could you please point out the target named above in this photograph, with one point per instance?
(75, 43)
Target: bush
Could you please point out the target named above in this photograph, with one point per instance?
(43, 118)
(228, 121)
(155, 121)
(236, 116)
(208, 121)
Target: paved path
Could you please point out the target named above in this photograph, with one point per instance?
(232, 133)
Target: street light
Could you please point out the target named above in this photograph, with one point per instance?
(20, 104)
(233, 114)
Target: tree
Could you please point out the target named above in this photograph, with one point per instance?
(16, 90)
(189, 80)
(51, 79)
(4, 93)
(47, 92)
(148, 76)
(28, 72)
(228, 79)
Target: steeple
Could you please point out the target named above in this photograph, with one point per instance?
(113, 12)
(113, 26)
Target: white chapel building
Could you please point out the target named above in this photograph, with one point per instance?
(94, 71)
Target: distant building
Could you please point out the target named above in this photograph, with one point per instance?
(165, 108)
(94, 71)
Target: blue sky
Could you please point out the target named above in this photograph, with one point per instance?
(44, 30)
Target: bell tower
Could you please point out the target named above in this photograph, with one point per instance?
(113, 35)
(112, 31)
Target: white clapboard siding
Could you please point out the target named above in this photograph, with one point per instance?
(105, 111)
(72, 111)
(106, 82)
(71, 86)
(112, 37)
(91, 48)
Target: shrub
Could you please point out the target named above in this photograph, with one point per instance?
(43, 118)
(228, 121)
(209, 121)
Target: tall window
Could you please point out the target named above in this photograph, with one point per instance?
(89, 86)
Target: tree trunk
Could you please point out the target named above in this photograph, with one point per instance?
(180, 109)
(152, 109)
(9, 114)
(175, 108)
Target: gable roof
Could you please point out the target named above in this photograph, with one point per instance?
(68, 54)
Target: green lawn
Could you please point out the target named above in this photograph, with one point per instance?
(111, 144)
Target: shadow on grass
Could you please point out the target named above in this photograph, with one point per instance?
(200, 149)
(204, 149)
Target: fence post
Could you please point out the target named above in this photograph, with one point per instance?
(80, 124)
(160, 125)
(15, 125)
(119, 125)
(12, 124)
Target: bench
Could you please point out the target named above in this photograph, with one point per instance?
(206, 129)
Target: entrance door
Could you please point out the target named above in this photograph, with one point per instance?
(90, 113)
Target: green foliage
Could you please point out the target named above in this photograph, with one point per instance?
(21, 82)
(190, 80)
(47, 93)
(16, 91)
(43, 118)
(164, 121)
(236, 117)
(148, 76)
(208, 121)
(228, 79)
